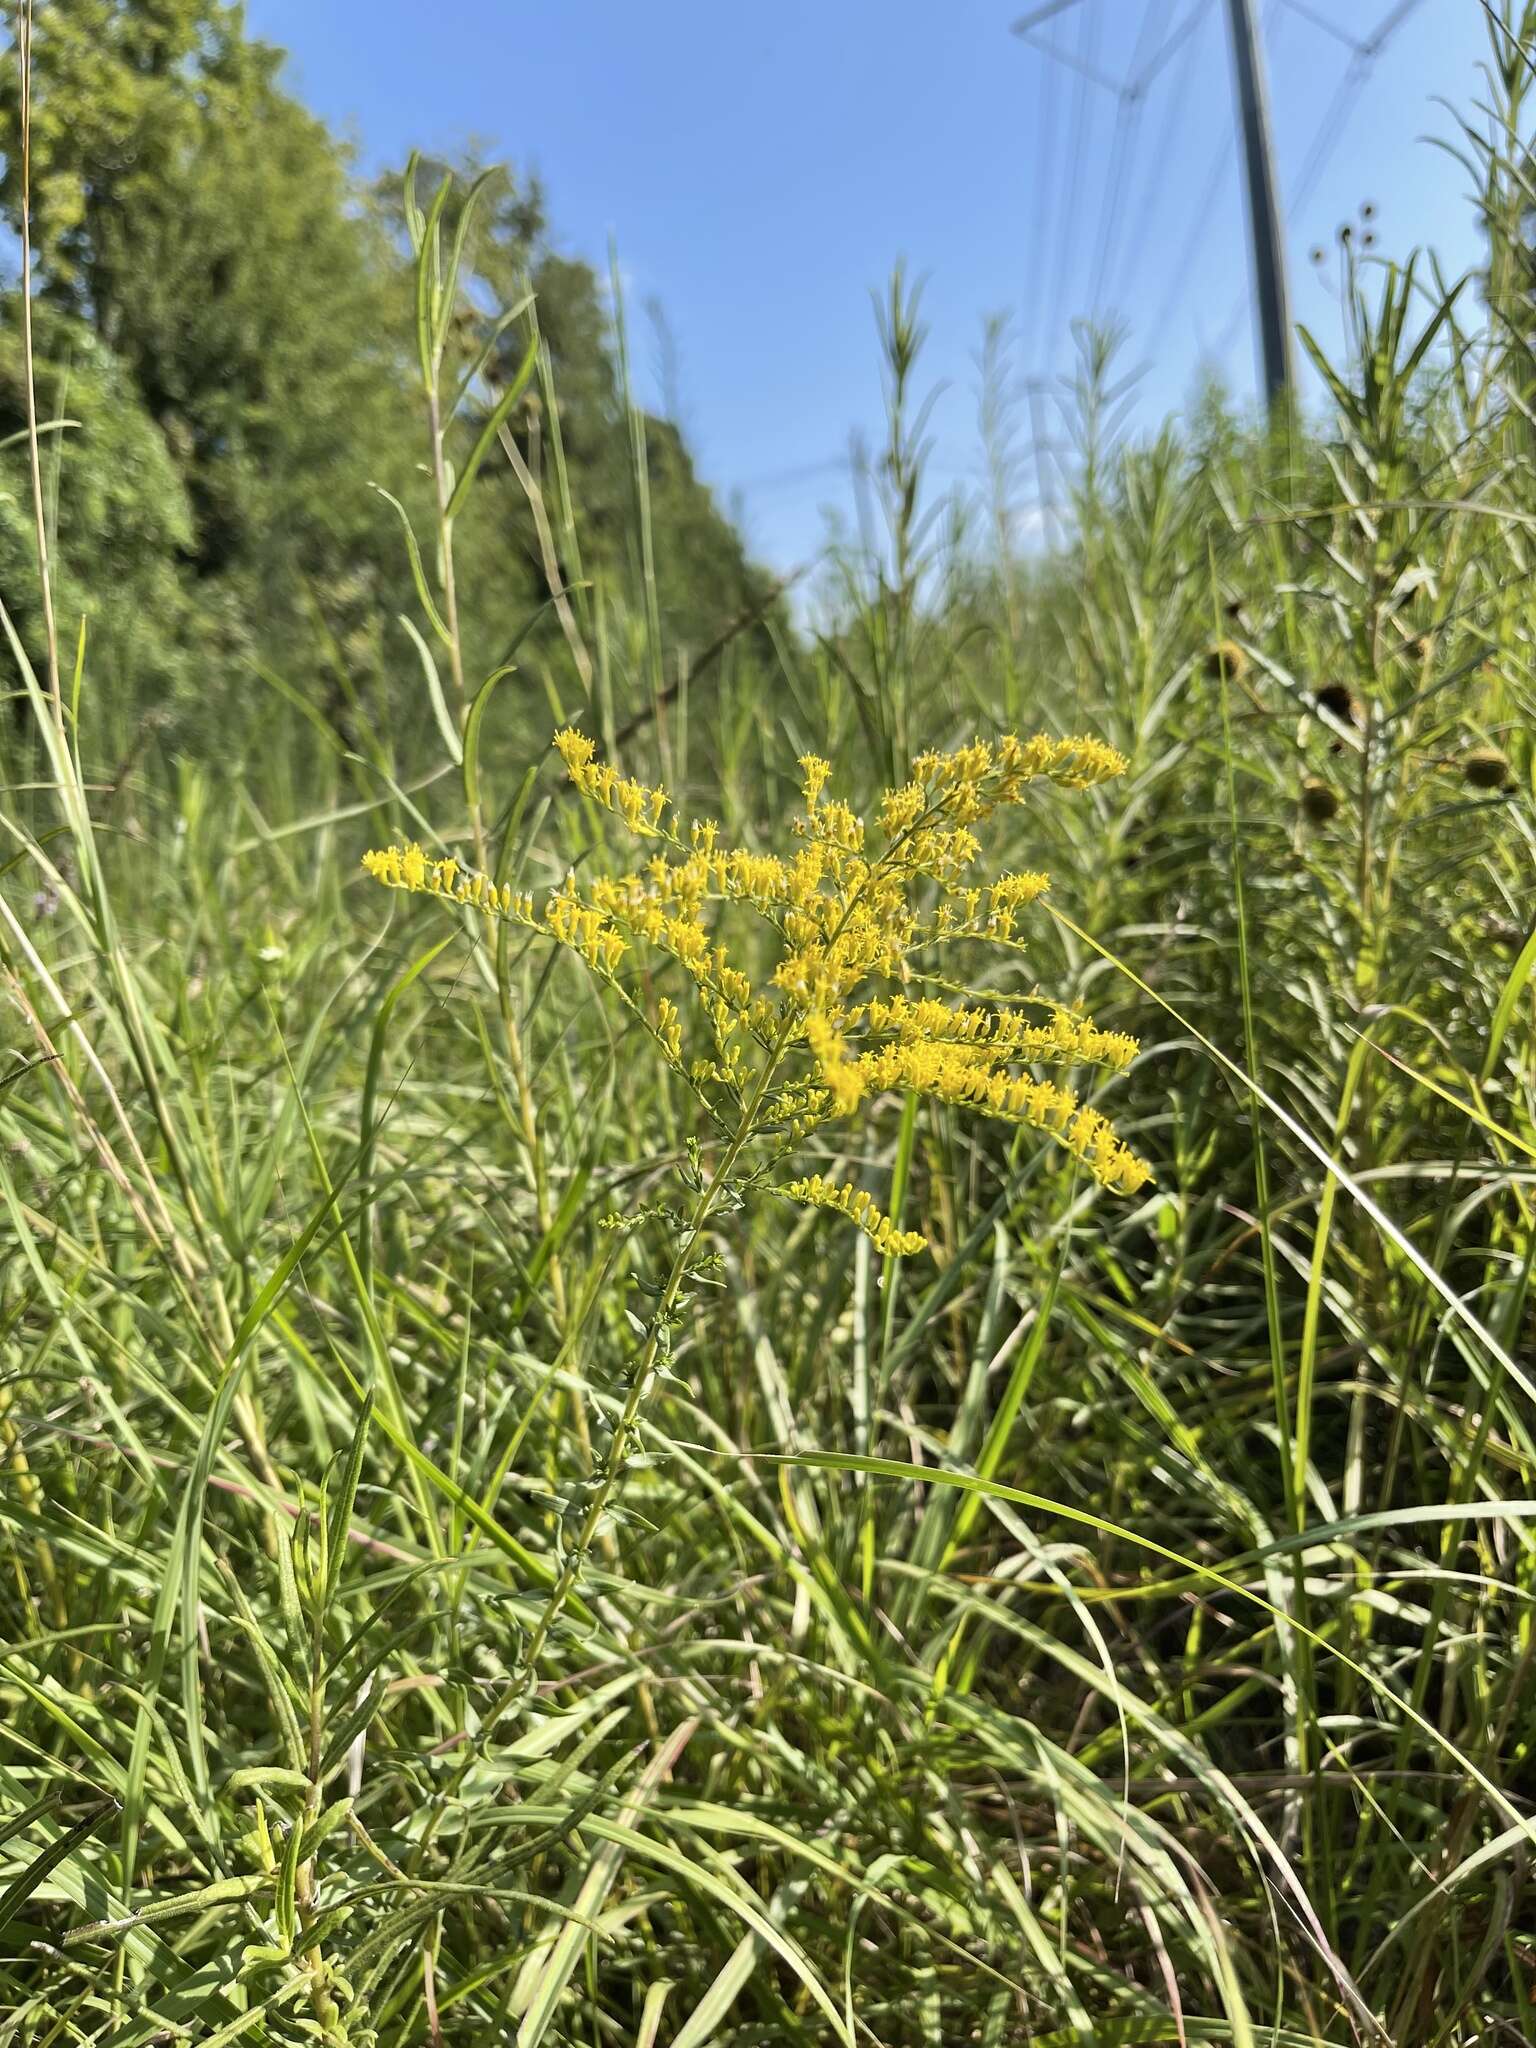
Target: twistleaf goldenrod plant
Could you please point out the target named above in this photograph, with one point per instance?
(860, 913)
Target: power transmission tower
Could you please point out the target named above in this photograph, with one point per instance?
(1266, 239)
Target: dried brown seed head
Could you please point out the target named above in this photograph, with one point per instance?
(1225, 661)
(1486, 768)
(1319, 800)
(1340, 700)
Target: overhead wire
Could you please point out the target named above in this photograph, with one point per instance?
(1320, 20)
(1119, 248)
(1088, 42)
(1205, 206)
(1038, 298)
(1329, 130)
(1128, 115)
(1134, 244)
(1175, 42)
(1216, 183)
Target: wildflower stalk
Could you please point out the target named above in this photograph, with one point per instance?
(527, 1107)
(449, 583)
(606, 1485)
(845, 922)
(433, 348)
(434, 344)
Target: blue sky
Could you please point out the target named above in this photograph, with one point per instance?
(761, 167)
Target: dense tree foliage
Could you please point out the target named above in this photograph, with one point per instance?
(226, 311)
(123, 521)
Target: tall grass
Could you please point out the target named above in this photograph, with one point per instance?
(1115, 1628)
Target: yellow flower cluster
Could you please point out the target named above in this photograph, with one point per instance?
(974, 780)
(640, 806)
(669, 1029)
(968, 1077)
(1010, 894)
(1004, 1034)
(857, 1203)
(566, 918)
(585, 930)
(408, 867)
(815, 775)
(815, 1035)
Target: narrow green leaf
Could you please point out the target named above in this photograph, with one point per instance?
(495, 420)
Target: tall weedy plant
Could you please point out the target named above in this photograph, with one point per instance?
(859, 918)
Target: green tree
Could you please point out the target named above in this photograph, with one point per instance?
(120, 517)
(204, 225)
(121, 90)
(211, 235)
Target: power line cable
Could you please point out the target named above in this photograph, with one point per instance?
(1131, 93)
(1088, 39)
(1041, 237)
(1175, 42)
(1178, 279)
(1134, 245)
(796, 474)
(1127, 128)
(1320, 20)
(1122, 154)
(1329, 132)
(1325, 140)
(1336, 115)
(1027, 24)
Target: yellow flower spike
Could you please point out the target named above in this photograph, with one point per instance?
(384, 865)
(1006, 1034)
(1014, 892)
(900, 809)
(860, 1207)
(577, 752)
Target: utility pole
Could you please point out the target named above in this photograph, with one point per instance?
(1266, 238)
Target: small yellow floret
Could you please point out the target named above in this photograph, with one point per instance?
(575, 750)
(669, 1029)
(841, 1076)
(969, 1077)
(901, 808)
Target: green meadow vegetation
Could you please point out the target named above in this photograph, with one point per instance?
(717, 1417)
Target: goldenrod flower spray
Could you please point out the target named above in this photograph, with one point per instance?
(859, 912)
